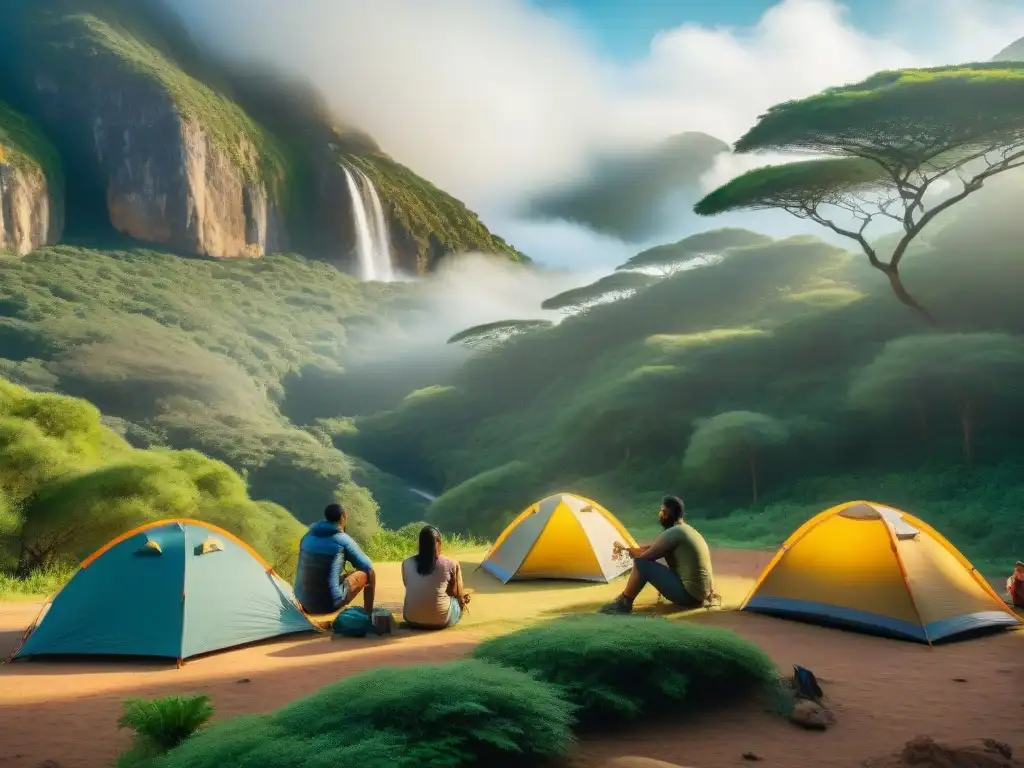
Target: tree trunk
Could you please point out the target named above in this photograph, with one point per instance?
(21, 572)
(753, 476)
(966, 425)
(905, 298)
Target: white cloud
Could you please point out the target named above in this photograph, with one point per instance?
(493, 99)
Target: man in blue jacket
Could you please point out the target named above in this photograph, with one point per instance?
(321, 584)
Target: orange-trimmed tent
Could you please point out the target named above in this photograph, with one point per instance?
(561, 537)
(870, 567)
(171, 589)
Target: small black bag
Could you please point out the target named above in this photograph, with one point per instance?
(806, 684)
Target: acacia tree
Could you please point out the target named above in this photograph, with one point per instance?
(492, 335)
(888, 142)
(721, 442)
(693, 251)
(957, 370)
(618, 285)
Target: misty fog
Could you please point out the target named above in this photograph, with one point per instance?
(538, 104)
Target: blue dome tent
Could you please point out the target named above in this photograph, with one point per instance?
(173, 589)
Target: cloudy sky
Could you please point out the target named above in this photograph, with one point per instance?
(496, 100)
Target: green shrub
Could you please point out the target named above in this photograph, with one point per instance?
(61, 469)
(161, 725)
(618, 668)
(455, 714)
(42, 581)
(392, 546)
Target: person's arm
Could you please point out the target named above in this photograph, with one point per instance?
(658, 549)
(455, 586)
(655, 551)
(633, 552)
(355, 555)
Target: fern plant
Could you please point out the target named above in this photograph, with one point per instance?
(161, 724)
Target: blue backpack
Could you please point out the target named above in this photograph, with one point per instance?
(353, 622)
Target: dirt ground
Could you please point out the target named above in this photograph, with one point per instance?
(883, 692)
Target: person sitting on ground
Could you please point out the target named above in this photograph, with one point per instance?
(434, 595)
(1015, 585)
(321, 584)
(687, 580)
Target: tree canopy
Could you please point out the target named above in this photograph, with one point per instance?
(890, 138)
(953, 371)
(68, 485)
(794, 186)
(723, 441)
(490, 335)
(617, 285)
(689, 252)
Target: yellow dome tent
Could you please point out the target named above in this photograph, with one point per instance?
(874, 568)
(561, 537)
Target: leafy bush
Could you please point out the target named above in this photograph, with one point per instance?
(459, 713)
(161, 725)
(621, 668)
(60, 465)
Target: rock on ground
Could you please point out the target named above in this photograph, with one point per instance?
(925, 752)
(811, 715)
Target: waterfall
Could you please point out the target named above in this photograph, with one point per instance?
(373, 243)
(423, 494)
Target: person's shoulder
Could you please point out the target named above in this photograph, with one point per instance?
(345, 539)
(448, 562)
(675, 532)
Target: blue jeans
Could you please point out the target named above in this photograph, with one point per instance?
(666, 581)
(454, 614)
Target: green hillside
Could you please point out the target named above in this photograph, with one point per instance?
(68, 484)
(786, 343)
(191, 353)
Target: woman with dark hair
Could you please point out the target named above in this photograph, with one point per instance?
(434, 595)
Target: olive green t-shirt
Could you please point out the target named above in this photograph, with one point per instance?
(689, 556)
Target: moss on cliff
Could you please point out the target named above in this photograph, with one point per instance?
(435, 221)
(23, 144)
(253, 150)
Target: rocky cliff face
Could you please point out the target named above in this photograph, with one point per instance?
(170, 176)
(31, 209)
(27, 220)
(172, 147)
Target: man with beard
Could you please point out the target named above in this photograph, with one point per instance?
(686, 579)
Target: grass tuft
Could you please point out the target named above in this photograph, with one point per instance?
(40, 582)
(161, 725)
